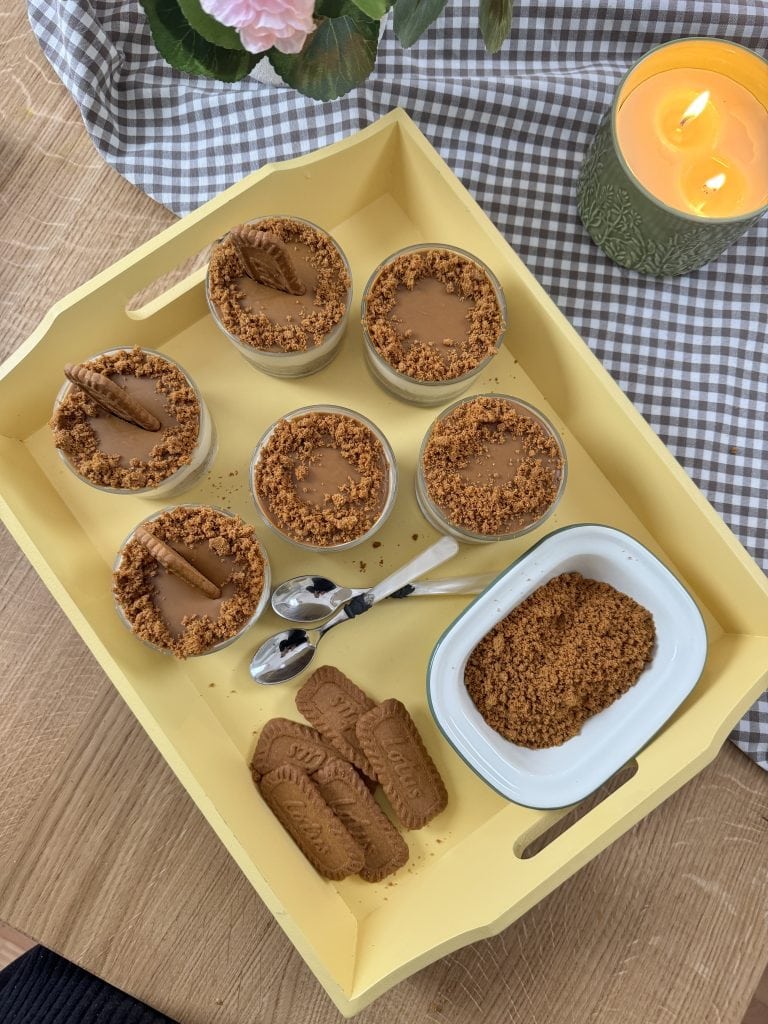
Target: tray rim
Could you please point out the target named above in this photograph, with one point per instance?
(352, 1000)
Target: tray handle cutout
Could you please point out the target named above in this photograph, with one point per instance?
(168, 253)
(159, 291)
(608, 788)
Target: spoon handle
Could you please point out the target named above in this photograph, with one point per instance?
(452, 585)
(438, 553)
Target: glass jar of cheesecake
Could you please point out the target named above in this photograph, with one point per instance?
(491, 468)
(280, 289)
(324, 478)
(433, 317)
(132, 421)
(190, 580)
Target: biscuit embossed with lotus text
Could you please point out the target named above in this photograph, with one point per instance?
(265, 259)
(320, 835)
(333, 704)
(285, 742)
(345, 793)
(111, 396)
(408, 776)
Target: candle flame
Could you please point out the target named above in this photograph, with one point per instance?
(715, 182)
(695, 108)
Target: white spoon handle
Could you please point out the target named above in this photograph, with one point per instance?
(438, 553)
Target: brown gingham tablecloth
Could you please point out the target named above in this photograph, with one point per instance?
(690, 352)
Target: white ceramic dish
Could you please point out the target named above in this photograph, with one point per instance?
(558, 776)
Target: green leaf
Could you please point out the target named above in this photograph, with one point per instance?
(413, 17)
(339, 54)
(495, 22)
(208, 27)
(187, 50)
(373, 8)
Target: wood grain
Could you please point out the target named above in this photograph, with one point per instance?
(12, 944)
(104, 858)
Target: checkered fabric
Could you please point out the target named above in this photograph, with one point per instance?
(689, 351)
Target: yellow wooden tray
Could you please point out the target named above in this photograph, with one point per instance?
(377, 191)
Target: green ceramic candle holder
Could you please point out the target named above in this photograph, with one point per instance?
(633, 227)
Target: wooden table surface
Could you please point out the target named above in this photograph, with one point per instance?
(103, 856)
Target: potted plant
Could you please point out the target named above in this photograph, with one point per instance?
(322, 48)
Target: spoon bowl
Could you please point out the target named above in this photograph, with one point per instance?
(284, 656)
(310, 598)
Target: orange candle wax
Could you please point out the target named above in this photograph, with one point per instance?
(697, 140)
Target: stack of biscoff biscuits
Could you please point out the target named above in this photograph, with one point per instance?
(318, 781)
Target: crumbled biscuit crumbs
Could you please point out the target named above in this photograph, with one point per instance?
(256, 329)
(346, 514)
(73, 434)
(485, 508)
(423, 360)
(567, 652)
(133, 587)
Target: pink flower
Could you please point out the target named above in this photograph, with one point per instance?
(284, 24)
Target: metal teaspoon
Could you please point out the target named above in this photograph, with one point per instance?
(309, 599)
(288, 653)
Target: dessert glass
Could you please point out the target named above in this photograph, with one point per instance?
(264, 598)
(389, 458)
(409, 389)
(435, 515)
(185, 476)
(288, 364)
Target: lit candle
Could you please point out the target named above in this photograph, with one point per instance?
(697, 140)
(678, 168)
